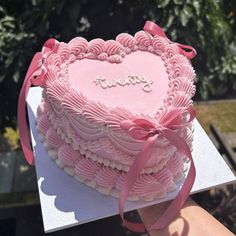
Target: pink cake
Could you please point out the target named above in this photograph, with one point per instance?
(106, 103)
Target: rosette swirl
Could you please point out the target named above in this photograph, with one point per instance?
(113, 47)
(86, 169)
(177, 59)
(179, 99)
(96, 46)
(78, 45)
(165, 177)
(53, 139)
(102, 56)
(182, 70)
(171, 50)
(43, 124)
(148, 188)
(143, 38)
(175, 164)
(159, 44)
(63, 51)
(67, 155)
(56, 60)
(184, 85)
(105, 177)
(114, 59)
(126, 40)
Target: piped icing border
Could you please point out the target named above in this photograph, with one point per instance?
(56, 136)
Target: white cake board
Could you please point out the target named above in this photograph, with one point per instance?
(65, 202)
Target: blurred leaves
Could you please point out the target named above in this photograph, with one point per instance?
(12, 137)
(207, 25)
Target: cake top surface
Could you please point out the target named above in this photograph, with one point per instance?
(138, 83)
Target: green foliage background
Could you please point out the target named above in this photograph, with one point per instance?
(208, 25)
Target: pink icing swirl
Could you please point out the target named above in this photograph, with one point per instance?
(56, 59)
(182, 84)
(106, 177)
(43, 124)
(53, 139)
(95, 113)
(159, 44)
(96, 46)
(78, 45)
(143, 38)
(63, 51)
(73, 102)
(113, 47)
(180, 99)
(71, 133)
(56, 91)
(183, 70)
(164, 177)
(114, 59)
(90, 55)
(175, 164)
(67, 155)
(128, 50)
(42, 108)
(177, 59)
(86, 168)
(171, 50)
(126, 40)
(148, 187)
(102, 56)
(120, 180)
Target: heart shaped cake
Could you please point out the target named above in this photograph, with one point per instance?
(117, 114)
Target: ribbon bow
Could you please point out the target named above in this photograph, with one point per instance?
(34, 76)
(154, 29)
(142, 129)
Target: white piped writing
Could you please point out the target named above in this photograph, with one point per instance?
(130, 80)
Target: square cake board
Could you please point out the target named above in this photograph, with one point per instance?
(65, 202)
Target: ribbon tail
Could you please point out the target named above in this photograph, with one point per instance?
(131, 178)
(176, 205)
(21, 111)
(189, 54)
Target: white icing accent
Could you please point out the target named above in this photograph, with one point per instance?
(69, 170)
(53, 154)
(131, 80)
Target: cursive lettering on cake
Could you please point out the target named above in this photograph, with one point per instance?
(130, 80)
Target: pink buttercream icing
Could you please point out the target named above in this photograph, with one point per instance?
(43, 124)
(53, 139)
(106, 177)
(85, 168)
(78, 45)
(67, 155)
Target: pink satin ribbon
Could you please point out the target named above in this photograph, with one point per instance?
(34, 76)
(154, 29)
(142, 129)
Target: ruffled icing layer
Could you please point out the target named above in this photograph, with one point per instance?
(109, 180)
